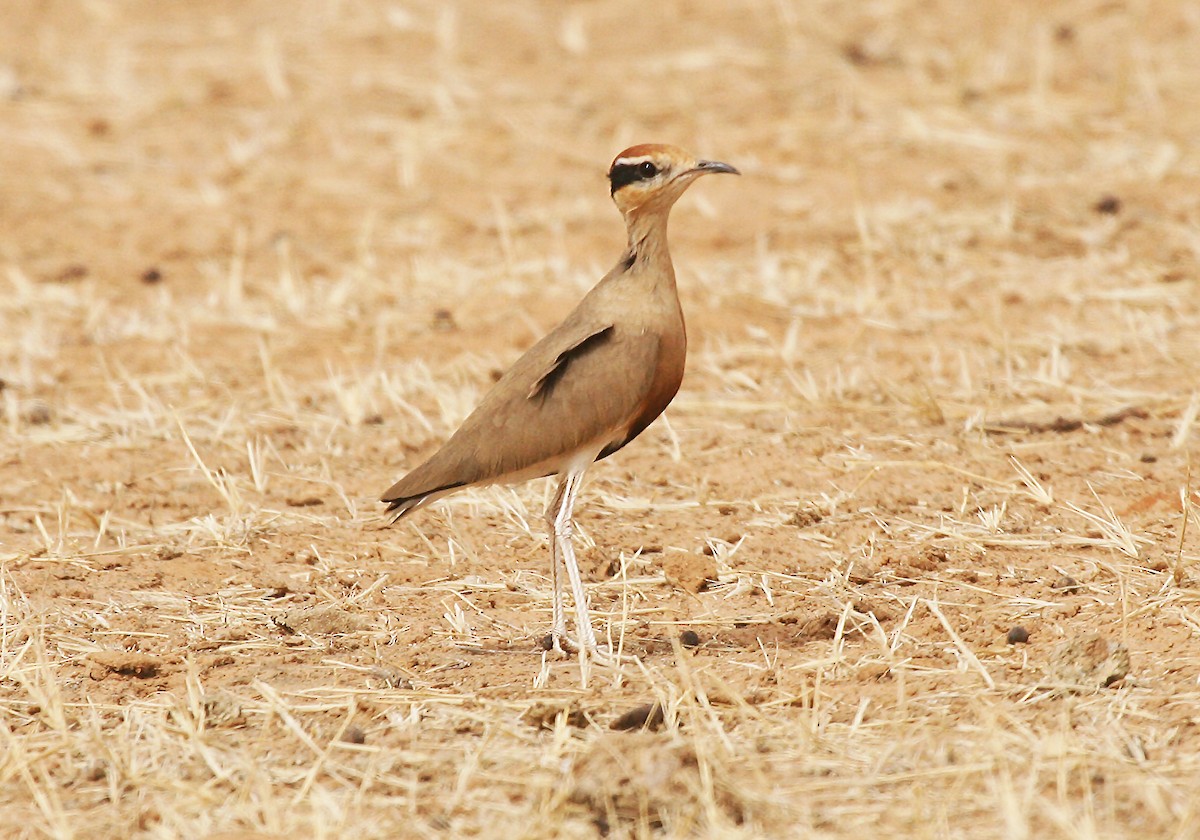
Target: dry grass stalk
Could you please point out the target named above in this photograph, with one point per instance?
(908, 416)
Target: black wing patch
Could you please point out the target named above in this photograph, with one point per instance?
(614, 447)
(545, 385)
(403, 504)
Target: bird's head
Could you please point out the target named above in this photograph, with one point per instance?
(652, 176)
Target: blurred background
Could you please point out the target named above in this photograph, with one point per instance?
(144, 136)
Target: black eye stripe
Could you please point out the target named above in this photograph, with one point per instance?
(626, 173)
(622, 174)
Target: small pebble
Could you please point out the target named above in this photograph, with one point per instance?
(689, 638)
(354, 735)
(1017, 635)
(1067, 584)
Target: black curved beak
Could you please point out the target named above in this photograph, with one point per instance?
(712, 167)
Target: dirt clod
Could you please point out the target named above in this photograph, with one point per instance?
(648, 716)
(823, 626)
(306, 501)
(36, 413)
(222, 709)
(391, 678)
(1089, 660)
(544, 715)
(324, 620)
(124, 662)
(806, 515)
(689, 638)
(640, 776)
(443, 321)
(690, 572)
(72, 273)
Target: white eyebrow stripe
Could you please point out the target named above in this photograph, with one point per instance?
(631, 161)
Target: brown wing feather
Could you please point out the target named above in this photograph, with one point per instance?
(546, 382)
(579, 385)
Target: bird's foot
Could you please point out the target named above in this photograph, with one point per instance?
(564, 646)
(558, 643)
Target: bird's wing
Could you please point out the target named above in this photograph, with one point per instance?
(581, 385)
(587, 341)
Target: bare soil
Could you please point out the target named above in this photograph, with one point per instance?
(913, 553)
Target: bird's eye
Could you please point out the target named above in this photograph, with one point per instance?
(647, 170)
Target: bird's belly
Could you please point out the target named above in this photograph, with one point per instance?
(584, 453)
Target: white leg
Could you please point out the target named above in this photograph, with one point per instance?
(558, 626)
(564, 550)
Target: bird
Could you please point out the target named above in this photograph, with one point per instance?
(588, 388)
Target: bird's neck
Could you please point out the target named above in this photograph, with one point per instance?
(648, 242)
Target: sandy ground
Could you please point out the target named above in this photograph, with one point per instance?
(921, 512)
